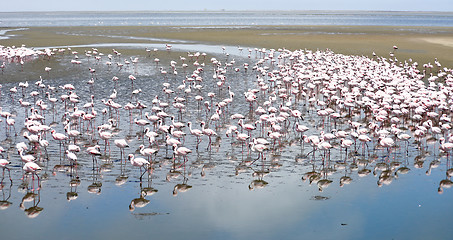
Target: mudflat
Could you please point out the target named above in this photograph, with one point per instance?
(421, 44)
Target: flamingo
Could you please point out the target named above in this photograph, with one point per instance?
(346, 143)
(181, 151)
(33, 168)
(195, 132)
(326, 146)
(177, 125)
(26, 158)
(314, 141)
(47, 69)
(21, 146)
(60, 137)
(216, 116)
(171, 141)
(73, 148)
(105, 135)
(445, 146)
(248, 127)
(147, 152)
(121, 144)
(386, 142)
(151, 136)
(139, 162)
(11, 122)
(71, 132)
(405, 137)
(4, 165)
(32, 138)
(301, 129)
(208, 132)
(275, 136)
(237, 116)
(94, 151)
(71, 156)
(364, 139)
(242, 137)
(257, 147)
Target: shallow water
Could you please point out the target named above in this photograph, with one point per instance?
(231, 196)
(233, 19)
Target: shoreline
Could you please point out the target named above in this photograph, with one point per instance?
(422, 44)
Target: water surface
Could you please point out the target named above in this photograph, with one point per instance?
(231, 19)
(231, 196)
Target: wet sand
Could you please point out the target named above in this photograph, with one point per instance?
(422, 44)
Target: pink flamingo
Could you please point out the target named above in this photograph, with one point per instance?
(387, 143)
(445, 146)
(11, 122)
(346, 143)
(26, 158)
(260, 148)
(181, 151)
(71, 156)
(121, 144)
(60, 137)
(139, 162)
(31, 167)
(94, 151)
(105, 135)
(405, 137)
(364, 139)
(147, 152)
(242, 137)
(4, 165)
(195, 132)
(208, 132)
(248, 127)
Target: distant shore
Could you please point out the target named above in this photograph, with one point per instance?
(422, 44)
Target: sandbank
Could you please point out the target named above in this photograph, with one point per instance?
(422, 44)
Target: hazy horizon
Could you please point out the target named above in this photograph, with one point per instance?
(223, 10)
(232, 5)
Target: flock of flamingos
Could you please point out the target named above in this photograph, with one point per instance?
(361, 114)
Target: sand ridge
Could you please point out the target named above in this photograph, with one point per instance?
(444, 41)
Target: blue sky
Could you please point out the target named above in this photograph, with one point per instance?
(189, 5)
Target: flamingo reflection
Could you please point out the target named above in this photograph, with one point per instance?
(138, 202)
(181, 187)
(31, 196)
(95, 186)
(446, 183)
(345, 179)
(122, 178)
(73, 183)
(259, 175)
(141, 201)
(5, 203)
(149, 190)
(257, 184)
